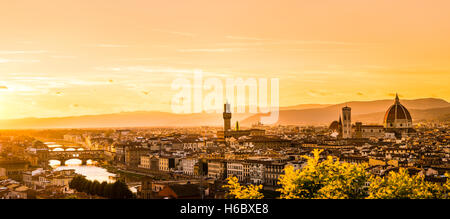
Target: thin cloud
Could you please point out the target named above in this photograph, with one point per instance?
(144, 69)
(13, 52)
(32, 78)
(40, 82)
(62, 57)
(323, 42)
(18, 60)
(213, 50)
(146, 92)
(324, 50)
(111, 45)
(135, 70)
(316, 93)
(258, 42)
(245, 38)
(26, 42)
(394, 94)
(140, 59)
(186, 34)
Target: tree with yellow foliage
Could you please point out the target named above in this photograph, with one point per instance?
(237, 191)
(329, 179)
(400, 185)
(447, 186)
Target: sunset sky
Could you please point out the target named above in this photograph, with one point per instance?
(67, 57)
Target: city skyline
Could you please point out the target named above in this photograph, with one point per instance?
(124, 56)
(248, 102)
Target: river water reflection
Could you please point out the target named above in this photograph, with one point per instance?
(90, 171)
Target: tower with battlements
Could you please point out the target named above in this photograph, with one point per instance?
(346, 122)
(226, 117)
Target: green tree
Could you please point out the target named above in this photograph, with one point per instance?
(101, 189)
(73, 183)
(125, 192)
(77, 183)
(93, 188)
(86, 186)
(120, 190)
(117, 190)
(107, 192)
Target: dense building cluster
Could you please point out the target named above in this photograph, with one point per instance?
(195, 162)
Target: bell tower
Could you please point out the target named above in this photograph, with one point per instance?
(346, 122)
(226, 117)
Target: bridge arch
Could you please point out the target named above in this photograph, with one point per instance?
(54, 162)
(73, 161)
(84, 156)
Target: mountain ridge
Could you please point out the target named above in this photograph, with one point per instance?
(366, 111)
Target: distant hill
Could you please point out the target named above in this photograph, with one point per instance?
(305, 106)
(128, 119)
(364, 111)
(319, 114)
(365, 107)
(437, 114)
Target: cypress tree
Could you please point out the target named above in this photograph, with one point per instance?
(101, 189)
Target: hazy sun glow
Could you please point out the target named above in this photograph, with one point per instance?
(123, 55)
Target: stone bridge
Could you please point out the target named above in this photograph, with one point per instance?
(84, 156)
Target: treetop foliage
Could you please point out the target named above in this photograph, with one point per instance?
(116, 190)
(332, 179)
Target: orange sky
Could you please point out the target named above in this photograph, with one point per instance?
(61, 57)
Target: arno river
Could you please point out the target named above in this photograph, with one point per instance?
(91, 171)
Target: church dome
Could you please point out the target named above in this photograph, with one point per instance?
(334, 126)
(397, 116)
